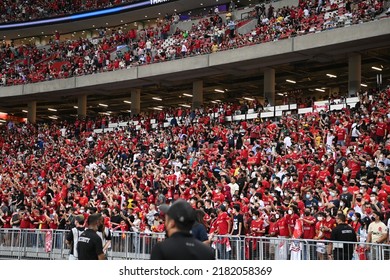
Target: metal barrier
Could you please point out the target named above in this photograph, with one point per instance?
(268, 248)
(50, 244)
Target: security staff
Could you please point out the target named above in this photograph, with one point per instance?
(89, 246)
(342, 232)
(180, 244)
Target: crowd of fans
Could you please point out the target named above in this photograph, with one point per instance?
(61, 59)
(271, 172)
(27, 10)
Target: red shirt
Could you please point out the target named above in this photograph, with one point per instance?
(222, 224)
(256, 227)
(309, 229)
(283, 227)
(329, 224)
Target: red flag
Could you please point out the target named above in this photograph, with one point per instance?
(48, 241)
(298, 229)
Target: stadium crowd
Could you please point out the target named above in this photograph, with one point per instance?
(27, 10)
(270, 172)
(61, 59)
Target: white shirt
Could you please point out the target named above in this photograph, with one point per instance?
(233, 188)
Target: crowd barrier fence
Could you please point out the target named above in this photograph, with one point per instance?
(51, 245)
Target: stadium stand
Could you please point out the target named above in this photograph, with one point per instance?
(281, 169)
(118, 50)
(325, 161)
(19, 11)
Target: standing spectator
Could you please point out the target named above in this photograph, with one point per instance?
(236, 232)
(377, 234)
(73, 237)
(222, 227)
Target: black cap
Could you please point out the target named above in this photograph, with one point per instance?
(180, 211)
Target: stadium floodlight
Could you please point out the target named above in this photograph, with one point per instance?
(219, 90)
(320, 89)
(376, 68)
(331, 76)
(363, 85)
(51, 109)
(53, 117)
(76, 107)
(157, 98)
(103, 105)
(248, 98)
(157, 108)
(291, 81)
(126, 101)
(185, 105)
(24, 111)
(187, 94)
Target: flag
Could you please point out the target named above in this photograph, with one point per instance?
(298, 229)
(48, 241)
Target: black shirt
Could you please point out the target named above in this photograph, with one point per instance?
(89, 246)
(182, 246)
(343, 232)
(237, 220)
(70, 237)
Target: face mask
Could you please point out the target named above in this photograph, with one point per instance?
(277, 216)
(320, 218)
(241, 196)
(307, 213)
(319, 204)
(361, 190)
(295, 198)
(373, 219)
(307, 196)
(254, 217)
(374, 189)
(331, 193)
(372, 198)
(345, 189)
(358, 199)
(290, 212)
(233, 199)
(354, 218)
(81, 210)
(368, 211)
(217, 191)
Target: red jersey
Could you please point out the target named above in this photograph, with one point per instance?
(309, 229)
(283, 227)
(257, 227)
(222, 224)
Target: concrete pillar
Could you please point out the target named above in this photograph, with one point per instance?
(197, 94)
(354, 73)
(269, 85)
(135, 101)
(32, 112)
(82, 106)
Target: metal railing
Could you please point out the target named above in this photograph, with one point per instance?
(51, 245)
